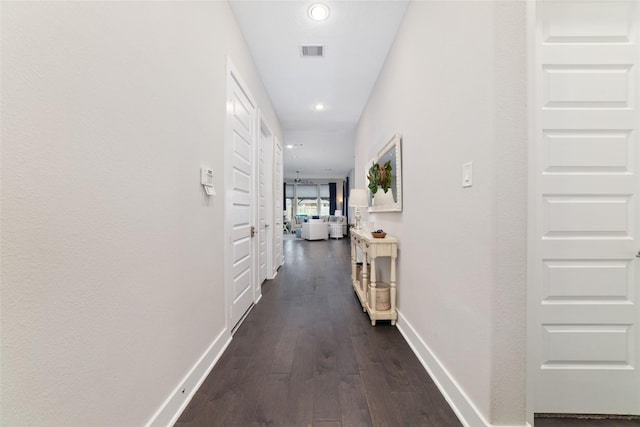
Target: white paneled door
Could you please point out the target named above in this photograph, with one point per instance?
(241, 120)
(585, 276)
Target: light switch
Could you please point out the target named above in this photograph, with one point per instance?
(467, 174)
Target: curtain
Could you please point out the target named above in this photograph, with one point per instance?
(345, 198)
(332, 198)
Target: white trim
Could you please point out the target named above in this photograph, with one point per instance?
(172, 408)
(460, 403)
(244, 316)
(532, 213)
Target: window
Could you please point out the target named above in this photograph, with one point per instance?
(288, 200)
(324, 200)
(307, 200)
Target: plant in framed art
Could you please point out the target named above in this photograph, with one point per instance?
(380, 176)
(386, 173)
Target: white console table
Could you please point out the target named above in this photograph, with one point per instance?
(365, 286)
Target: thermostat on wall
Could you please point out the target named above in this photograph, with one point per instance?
(206, 179)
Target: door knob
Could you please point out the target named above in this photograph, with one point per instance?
(638, 254)
(253, 231)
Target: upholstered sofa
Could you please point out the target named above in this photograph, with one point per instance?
(315, 230)
(297, 221)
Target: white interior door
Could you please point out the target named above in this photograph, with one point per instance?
(241, 119)
(585, 276)
(277, 208)
(262, 209)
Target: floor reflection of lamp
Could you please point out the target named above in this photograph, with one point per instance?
(358, 198)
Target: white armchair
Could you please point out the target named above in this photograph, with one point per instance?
(296, 223)
(315, 230)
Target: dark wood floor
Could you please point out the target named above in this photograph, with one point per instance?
(307, 355)
(573, 422)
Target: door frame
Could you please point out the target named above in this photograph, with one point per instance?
(532, 217)
(233, 73)
(278, 181)
(268, 186)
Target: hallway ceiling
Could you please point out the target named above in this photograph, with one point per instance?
(356, 38)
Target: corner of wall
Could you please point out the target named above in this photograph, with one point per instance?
(508, 299)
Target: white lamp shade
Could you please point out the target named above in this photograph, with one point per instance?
(358, 197)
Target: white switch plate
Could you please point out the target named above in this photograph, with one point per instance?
(467, 174)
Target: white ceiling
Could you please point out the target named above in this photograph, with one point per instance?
(356, 39)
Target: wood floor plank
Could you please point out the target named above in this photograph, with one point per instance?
(326, 397)
(416, 409)
(325, 347)
(379, 400)
(442, 414)
(272, 402)
(285, 346)
(353, 402)
(394, 371)
(366, 355)
(327, 424)
(300, 404)
(345, 356)
(301, 390)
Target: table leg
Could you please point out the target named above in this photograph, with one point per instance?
(372, 287)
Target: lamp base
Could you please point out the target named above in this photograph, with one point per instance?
(357, 227)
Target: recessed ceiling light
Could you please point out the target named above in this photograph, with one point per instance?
(318, 12)
(318, 107)
(289, 146)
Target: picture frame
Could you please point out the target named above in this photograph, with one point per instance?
(392, 151)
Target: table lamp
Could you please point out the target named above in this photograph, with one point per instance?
(358, 198)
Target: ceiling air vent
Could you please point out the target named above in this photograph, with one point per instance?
(312, 51)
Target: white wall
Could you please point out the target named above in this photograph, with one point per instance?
(454, 86)
(112, 258)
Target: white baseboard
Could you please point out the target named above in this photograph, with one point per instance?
(463, 407)
(172, 408)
